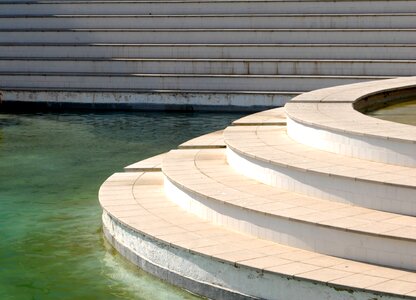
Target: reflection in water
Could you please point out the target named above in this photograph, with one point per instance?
(401, 113)
(51, 166)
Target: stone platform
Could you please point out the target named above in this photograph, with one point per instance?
(258, 211)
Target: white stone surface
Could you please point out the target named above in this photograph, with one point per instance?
(375, 195)
(325, 119)
(205, 270)
(339, 242)
(372, 148)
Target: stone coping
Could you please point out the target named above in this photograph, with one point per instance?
(206, 172)
(271, 144)
(275, 116)
(333, 109)
(138, 201)
(210, 140)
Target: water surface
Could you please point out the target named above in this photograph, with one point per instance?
(51, 167)
(401, 113)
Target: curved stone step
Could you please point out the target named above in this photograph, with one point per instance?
(211, 66)
(331, 120)
(202, 183)
(190, 82)
(211, 36)
(219, 51)
(267, 154)
(211, 7)
(208, 260)
(244, 20)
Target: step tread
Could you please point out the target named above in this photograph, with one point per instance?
(138, 200)
(60, 15)
(381, 45)
(168, 1)
(151, 164)
(102, 74)
(208, 30)
(272, 145)
(132, 90)
(206, 173)
(275, 116)
(210, 140)
(139, 59)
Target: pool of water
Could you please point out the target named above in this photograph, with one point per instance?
(51, 167)
(401, 113)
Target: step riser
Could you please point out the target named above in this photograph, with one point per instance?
(212, 51)
(237, 22)
(388, 151)
(205, 83)
(218, 67)
(210, 7)
(308, 236)
(212, 37)
(374, 195)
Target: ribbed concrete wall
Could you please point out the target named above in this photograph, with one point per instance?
(258, 48)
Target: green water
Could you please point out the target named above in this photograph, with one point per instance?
(51, 166)
(401, 113)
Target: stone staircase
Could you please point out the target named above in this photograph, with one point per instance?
(232, 54)
(256, 212)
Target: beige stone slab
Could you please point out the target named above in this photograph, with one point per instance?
(404, 232)
(162, 231)
(218, 249)
(208, 141)
(324, 275)
(410, 277)
(293, 268)
(264, 262)
(300, 255)
(275, 116)
(359, 280)
(240, 255)
(152, 164)
(323, 261)
(394, 286)
(198, 243)
(353, 266)
(387, 273)
(178, 237)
